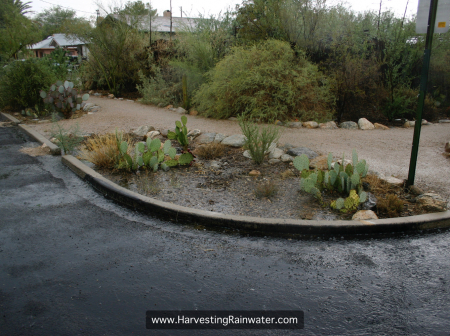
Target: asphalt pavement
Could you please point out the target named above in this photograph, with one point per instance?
(75, 263)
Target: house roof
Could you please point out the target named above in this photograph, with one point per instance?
(160, 23)
(57, 40)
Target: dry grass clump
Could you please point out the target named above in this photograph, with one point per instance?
(391, 205)
(101, 150)
(210, 151)
(287, 174)
(266, 189)
(379, 186)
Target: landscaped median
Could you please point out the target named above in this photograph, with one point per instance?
(186, 215)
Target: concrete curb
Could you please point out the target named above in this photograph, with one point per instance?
(55, 150)
(11, 118)
(273, 225)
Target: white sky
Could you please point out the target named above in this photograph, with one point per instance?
(191, 8)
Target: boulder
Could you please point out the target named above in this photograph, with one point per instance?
(380, 126)
(424, 122)
(295, 124)
(181, 110)
(349, 125)
(432, 202)
(143, 130)
(365, 124)
(310, 124)
(320, 162)
(219, 137)
(152, 134)
(302, 150)
(286, 158)
(276, 153)
(194, 133)
(364, 215)
(206, 138)
(328, 125)
(236, 140)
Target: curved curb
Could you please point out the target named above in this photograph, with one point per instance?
(13, 120)
(54, 150)
(273, 225)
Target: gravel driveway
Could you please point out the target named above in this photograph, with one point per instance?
(387, 151)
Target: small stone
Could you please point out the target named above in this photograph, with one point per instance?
(17, 113)
(370, 203)
(328, 125)
(143, 130)
(349, 125)
(271, 148)
(365, 124)
(88, 107)
(193, 113)
(111, 96)
(274, 161)
(295, 124)
(97, 94)
(302, 150)
(219, 137)
(424, 122)
(194, 133)
(444, 121)
(286, 146)
(279, 123)
(409, 124)
(380, 126)
(206, 138)
(320, 162)
(364, 215)
(236, 140)
(152, 134)
(286, 158)
(91, 92)
(169, 106)
(415, 190)
(447, 147)
(432, 202)
(164, 132)
(181, 110)
(254, 173)
(276, 153)
(393, 180)
(247, 154)
(310, 124)
(120, 98)
(215, 164)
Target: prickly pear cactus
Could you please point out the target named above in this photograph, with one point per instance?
(301, 162)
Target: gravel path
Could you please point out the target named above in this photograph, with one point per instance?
(387, 151)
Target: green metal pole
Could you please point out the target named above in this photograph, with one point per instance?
(423, 91)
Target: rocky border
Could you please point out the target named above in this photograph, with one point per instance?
(176, 213)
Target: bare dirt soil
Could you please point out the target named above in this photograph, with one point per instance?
(386, 151)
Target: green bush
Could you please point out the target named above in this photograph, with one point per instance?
(20, 83)
(269, 82)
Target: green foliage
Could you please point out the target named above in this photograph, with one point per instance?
(258, 139)
(157, 90)
(301, 162)
(20, 83)
(68, 139)
(62, 97)
(266, 81)
(180, 133)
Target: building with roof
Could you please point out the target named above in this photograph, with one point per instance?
(73, 45)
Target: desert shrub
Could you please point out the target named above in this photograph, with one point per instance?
(268, 189)
(67, 139)
(266, 81)
(164, 87)
(101, 150)
(20, 83)
(259, 138)
(391, 205)
(210, 151)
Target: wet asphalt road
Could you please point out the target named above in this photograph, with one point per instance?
(74, 263)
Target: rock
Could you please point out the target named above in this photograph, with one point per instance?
(365, 124)
(152, 134)
(247, 154)
(276, 153)
(295, 124)
(206, 138)
(88, 107)
(236, 140)
(310, 124)
(219, 137)
(302, 150)
(286, 158)
(143, 130)
(409, 124)
(271, 148)
(169, 107)
(254, 173)
(364, 215)
(349, 125)
(43, 121)
(111, 96)
(415, 190)
(279, 123)
(370, 203)
(160, 105)
(181, 110)
(164, 132)
(97, 94)
(232, 118)
(393, 180)
(444, 121)
(193, 113)
(432, 202)
(424, 122)
(120, 98)
(194, 133)
(274, 161)
(215, 164)
(328, 125)
(91, 92)
(286, 146)
(380, 126)
(447, 147)
(320, 162)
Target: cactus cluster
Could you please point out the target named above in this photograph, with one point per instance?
(62, 97)
(340, 178)
(180, 135)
